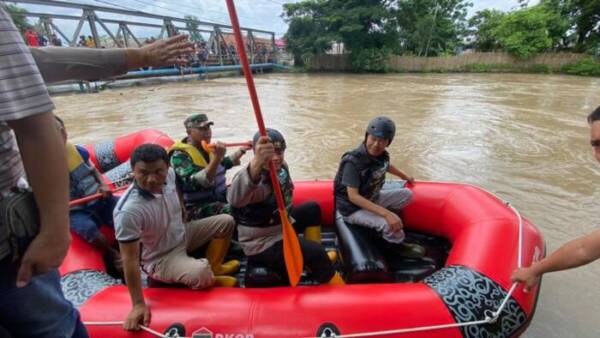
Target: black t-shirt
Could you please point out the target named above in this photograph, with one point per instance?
(350, 177)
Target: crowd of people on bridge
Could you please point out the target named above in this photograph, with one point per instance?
(201, 57)
(35, 39)
(178, 200)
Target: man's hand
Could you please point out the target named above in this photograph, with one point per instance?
(410, 180)
(45, 253)
(527, 276)
(239, 154)
(140, 314)
(105, 191)
(263, 152)
(393, 221)
(245, 148)
(161, 53)
(219, 150)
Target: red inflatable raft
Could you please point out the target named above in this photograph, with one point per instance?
(461, 288)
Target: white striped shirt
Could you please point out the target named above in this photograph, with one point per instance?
(22, 94)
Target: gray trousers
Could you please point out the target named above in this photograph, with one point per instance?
(393, 197)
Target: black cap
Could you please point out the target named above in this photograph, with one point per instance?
(275, 136)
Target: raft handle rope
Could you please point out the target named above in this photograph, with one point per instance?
(490, 316)
(144, 328)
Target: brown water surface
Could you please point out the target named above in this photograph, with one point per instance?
(523, 137)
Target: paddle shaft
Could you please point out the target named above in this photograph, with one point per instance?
(290, 240)
(93, 197)
(238, 144)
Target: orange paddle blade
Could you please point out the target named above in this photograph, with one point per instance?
(292, 253)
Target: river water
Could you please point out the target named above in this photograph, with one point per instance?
(522, 137)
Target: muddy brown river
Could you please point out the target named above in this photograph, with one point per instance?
(522, 137)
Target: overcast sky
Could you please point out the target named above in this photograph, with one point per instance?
(259, 14)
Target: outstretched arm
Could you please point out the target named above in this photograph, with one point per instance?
(575, 253)
(65, 63)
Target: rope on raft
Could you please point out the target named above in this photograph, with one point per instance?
(490, 316)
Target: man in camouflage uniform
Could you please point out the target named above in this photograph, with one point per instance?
(201, 174)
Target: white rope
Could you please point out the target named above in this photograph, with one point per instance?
(144, 328)
(490, 317)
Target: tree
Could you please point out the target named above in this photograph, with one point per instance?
(432, 27)
(18, 16)
(307, 34)
(531, 30)
(483, 25)
(584, 19)
(191, 23)
(367, 28)
(587, 24)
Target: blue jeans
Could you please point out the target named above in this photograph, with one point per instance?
(86, 222)
(38, 309)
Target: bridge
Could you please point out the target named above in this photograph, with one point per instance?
(218, 44)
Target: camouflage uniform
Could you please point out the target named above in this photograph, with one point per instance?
(185, 168)
(202, 197)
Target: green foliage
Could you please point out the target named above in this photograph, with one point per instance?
(360, 24)
(530, 31)
(583, 17)
(18, 16)
(586, 67)
(373, 29)
(307, 33)
(432, 27)
(483, 25)
(540, 69)
(371, 60)
(307, 37)
(550, 25)
(191, 23)
(507, 68)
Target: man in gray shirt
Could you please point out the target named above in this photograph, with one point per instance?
(31, 301)
(149, 227)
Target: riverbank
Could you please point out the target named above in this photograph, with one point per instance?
(550, 63)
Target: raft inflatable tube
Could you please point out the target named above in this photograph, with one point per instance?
(112, 157)
(460, 288)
